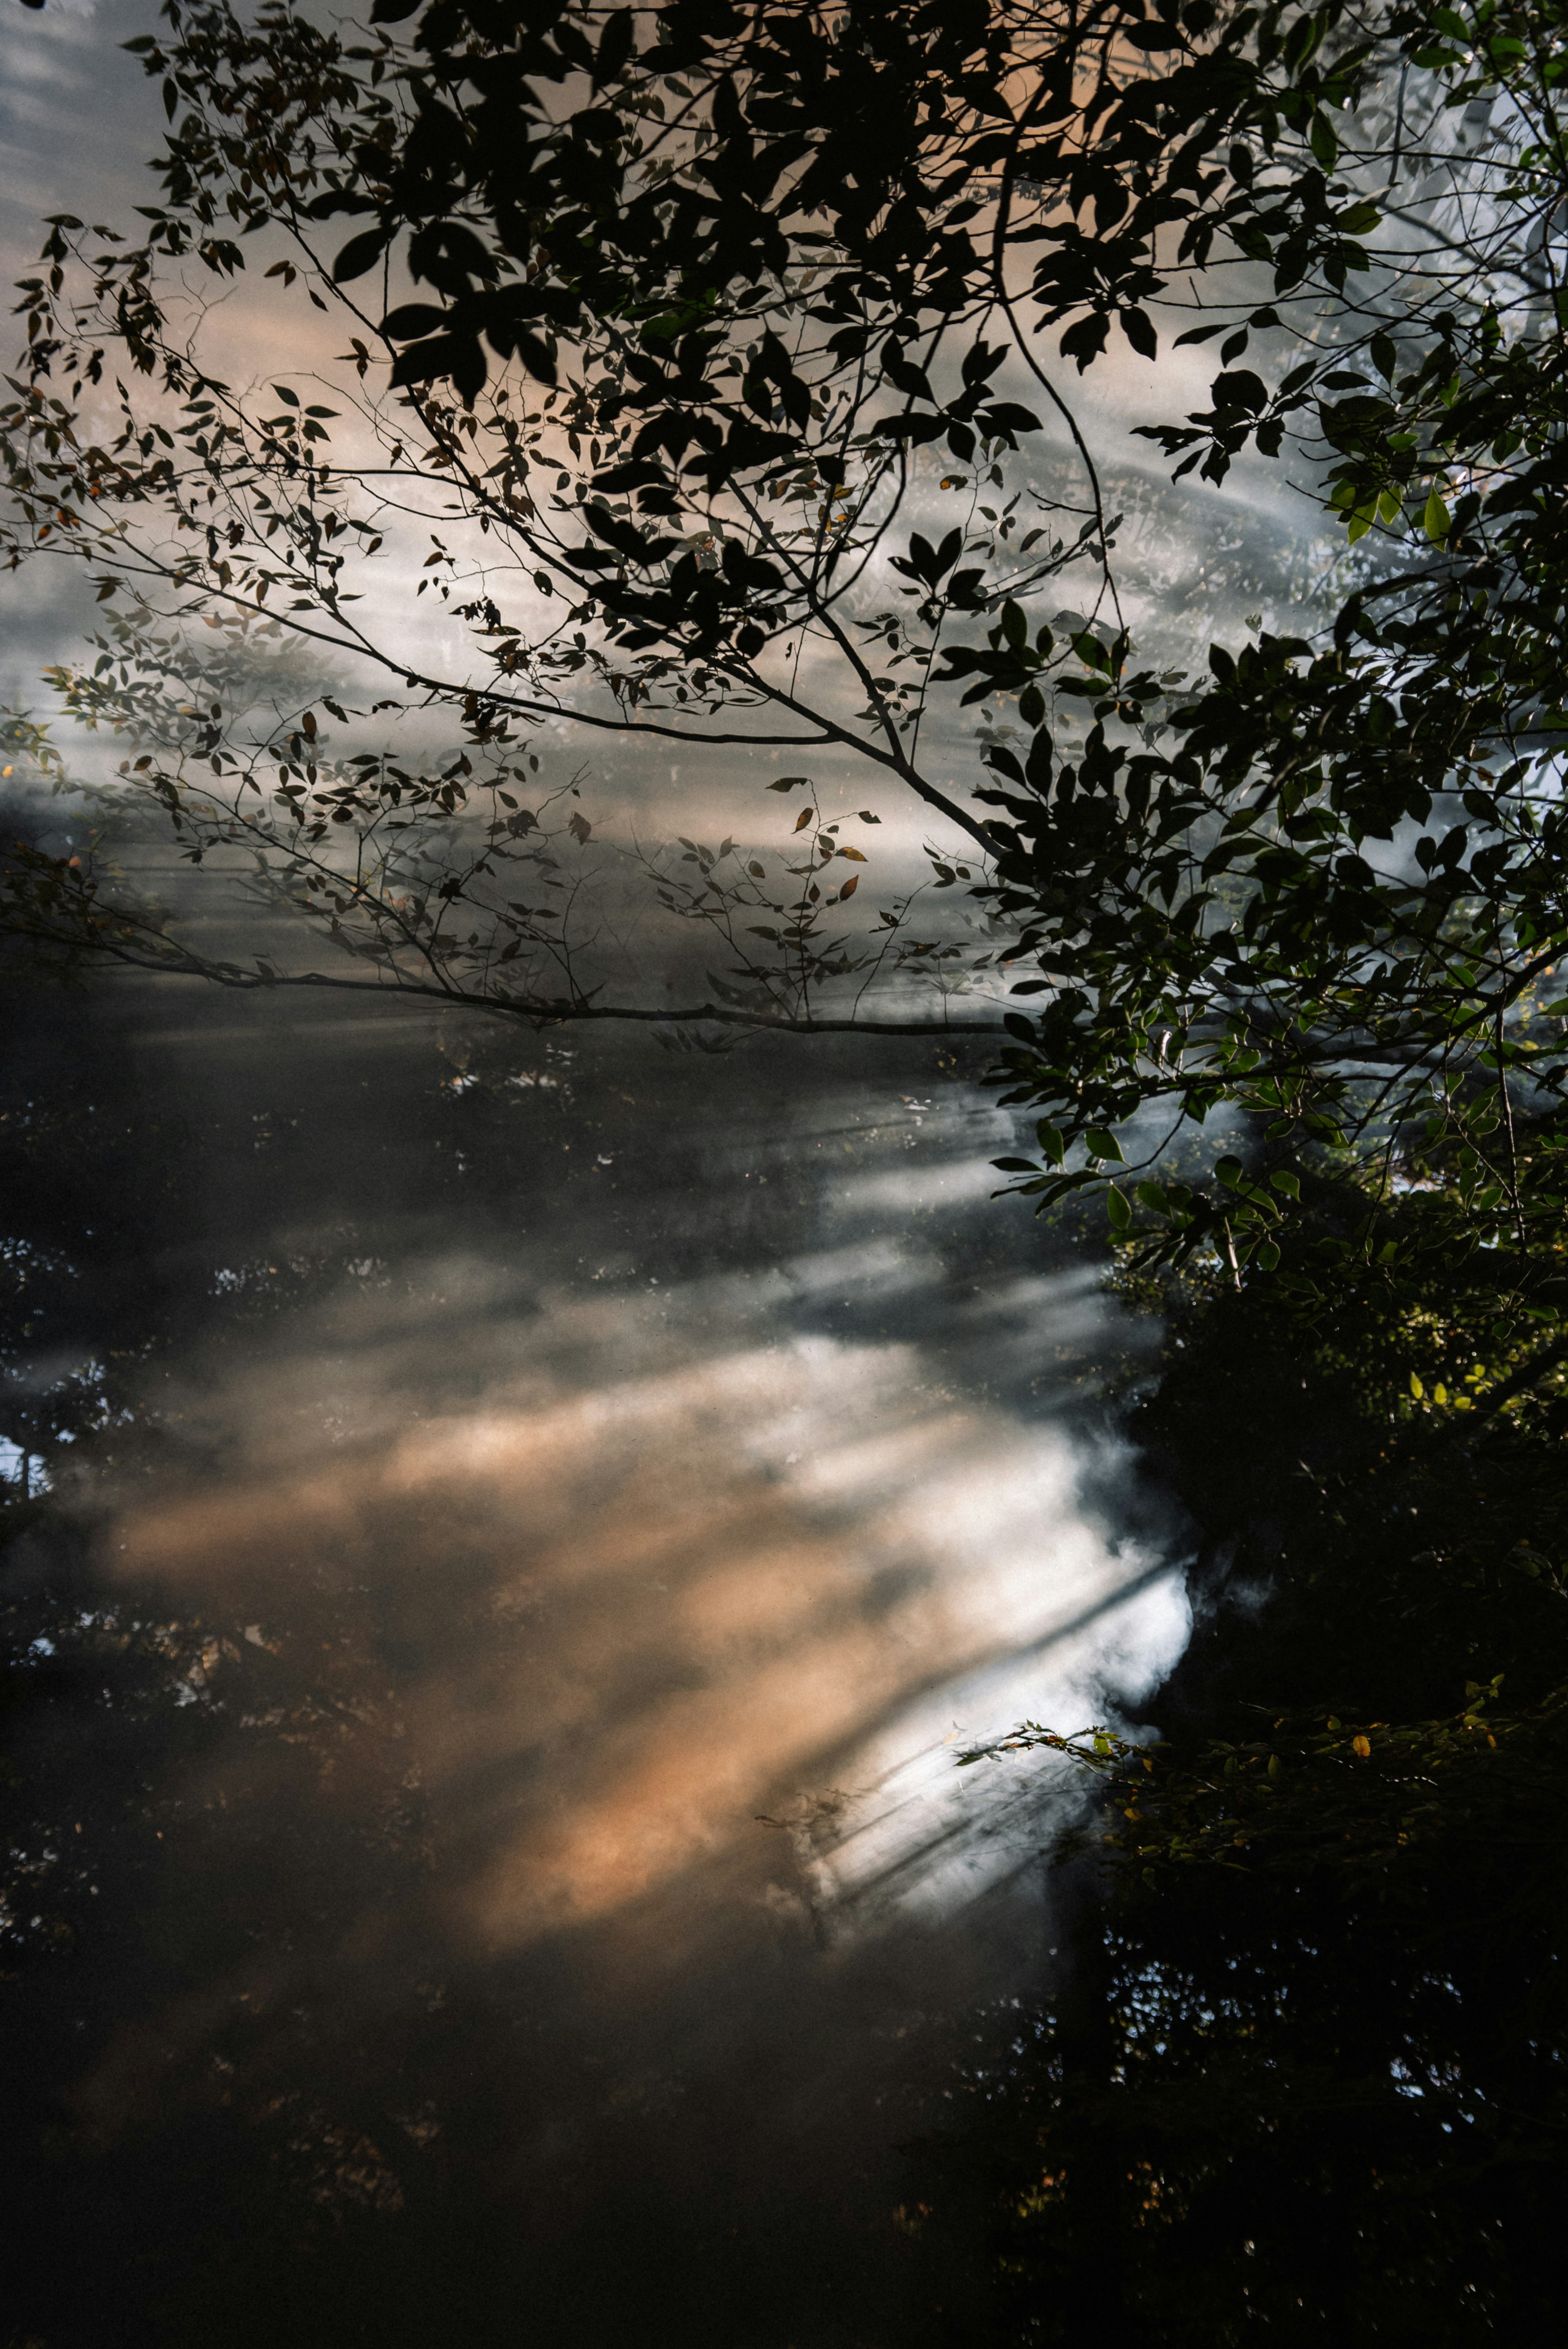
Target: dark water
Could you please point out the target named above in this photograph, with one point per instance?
(486, 1860)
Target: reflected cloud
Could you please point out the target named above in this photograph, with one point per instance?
(543, 1579)
(646, 1568)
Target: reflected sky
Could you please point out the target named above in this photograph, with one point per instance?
(601, 1491)
(745, 1541)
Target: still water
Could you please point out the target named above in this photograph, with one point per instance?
(488, 1859)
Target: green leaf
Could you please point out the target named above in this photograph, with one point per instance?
(1436, 520)
(1117, 1208)
(1104, 1145)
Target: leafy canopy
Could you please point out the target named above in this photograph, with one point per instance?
(651, 316)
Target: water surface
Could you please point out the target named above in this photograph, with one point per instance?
(565, 1507)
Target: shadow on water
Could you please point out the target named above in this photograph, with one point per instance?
(486, 1855)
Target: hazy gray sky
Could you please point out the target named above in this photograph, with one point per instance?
(77, 122)
(78, 117)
